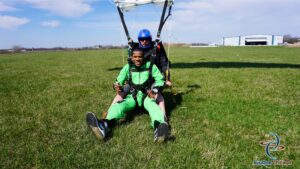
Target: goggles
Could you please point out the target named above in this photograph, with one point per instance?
(144, 39)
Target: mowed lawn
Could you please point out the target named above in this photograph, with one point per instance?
(229, 99)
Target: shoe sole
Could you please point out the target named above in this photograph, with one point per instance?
(163, 132)
(160, 139)
(92, 123)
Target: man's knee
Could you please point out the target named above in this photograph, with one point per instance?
(119, 98)
(148, 102)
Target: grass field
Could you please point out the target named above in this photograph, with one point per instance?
(229, 99)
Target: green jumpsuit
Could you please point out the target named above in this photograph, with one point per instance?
(139, 75)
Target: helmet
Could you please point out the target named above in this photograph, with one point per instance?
(145, 34)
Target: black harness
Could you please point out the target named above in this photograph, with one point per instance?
(134, 88)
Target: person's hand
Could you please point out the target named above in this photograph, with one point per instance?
(152, 94)
(130, 43)
(118, 87)
(168, 83)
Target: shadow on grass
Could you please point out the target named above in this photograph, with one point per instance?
(114, 69)
(182, 65)
(172, 98)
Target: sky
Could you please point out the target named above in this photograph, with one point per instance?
(80, 23)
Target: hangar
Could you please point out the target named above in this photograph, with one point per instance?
(252, 40)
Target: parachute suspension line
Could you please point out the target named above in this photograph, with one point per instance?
(173, 90)
(169, 42)
(135, 14)
(161, 23)
(168, 50)
(124, 24)
(122, 47)
(129, 39)
(163, 19)
(169, 14)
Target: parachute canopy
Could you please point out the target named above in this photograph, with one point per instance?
(126, 5)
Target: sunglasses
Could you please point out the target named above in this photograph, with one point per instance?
(144, 39)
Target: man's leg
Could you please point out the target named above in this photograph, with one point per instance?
(118, 98)
(154, 111)
(161, 103)
(118, 110)
(161, 128)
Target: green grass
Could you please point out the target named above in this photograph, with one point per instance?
(229, 99)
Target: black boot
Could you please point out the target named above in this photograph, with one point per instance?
(161, 132)
(99, 127)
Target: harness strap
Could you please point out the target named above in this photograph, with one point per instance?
(134, 88)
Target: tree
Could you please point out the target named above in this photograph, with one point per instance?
(17, 48)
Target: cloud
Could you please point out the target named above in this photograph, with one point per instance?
(204, 20)
(51, 24)
(195, 10)
(68, 8)
(10, 22)
(6, 8)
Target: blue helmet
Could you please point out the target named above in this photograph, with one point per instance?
(145, 34)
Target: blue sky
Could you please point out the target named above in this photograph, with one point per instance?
(77, 23)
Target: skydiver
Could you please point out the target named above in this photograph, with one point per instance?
(140, 75)
(157, 56)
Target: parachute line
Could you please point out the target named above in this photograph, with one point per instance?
(124, 24)
(162, 20)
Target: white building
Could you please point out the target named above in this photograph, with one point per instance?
(268, 40)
